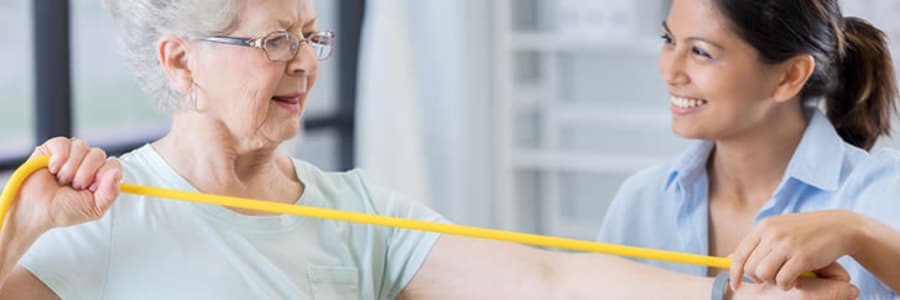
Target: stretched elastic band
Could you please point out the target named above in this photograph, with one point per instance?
(18, 178)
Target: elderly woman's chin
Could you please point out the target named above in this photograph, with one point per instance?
(287, 131)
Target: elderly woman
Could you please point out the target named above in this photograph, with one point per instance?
(235, 76)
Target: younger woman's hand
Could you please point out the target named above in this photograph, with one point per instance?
(782, 247)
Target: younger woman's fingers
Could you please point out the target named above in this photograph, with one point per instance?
(750, 267)
(787, 276)
(739, 259)
(769, 266)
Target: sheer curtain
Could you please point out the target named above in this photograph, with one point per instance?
(423, 105)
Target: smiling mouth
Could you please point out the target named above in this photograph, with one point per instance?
(687, 103)
(287, 99)
(290, 102)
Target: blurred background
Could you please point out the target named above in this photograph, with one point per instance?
(515, 114)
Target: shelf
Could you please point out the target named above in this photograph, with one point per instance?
(584, 162)
(548, 42)
(641, 116)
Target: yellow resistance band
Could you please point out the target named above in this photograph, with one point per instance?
(18, 178)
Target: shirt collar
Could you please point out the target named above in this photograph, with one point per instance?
(691, 164)
(819, 157)
(817, 161)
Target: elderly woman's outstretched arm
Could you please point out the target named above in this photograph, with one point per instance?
(468, 268)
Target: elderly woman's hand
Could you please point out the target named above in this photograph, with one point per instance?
(806, 288)
(79, 186)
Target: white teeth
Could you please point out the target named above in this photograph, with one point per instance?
(687, 103)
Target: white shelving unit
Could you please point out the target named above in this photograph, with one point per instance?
(580, 107)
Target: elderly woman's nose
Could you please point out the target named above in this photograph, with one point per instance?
(303, 63)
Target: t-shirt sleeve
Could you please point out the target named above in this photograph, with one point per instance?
(406, 249)
(72, 261)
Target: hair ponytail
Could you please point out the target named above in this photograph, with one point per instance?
(861, 105)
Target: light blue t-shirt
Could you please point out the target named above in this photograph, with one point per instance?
(147, 248)
(666, 207)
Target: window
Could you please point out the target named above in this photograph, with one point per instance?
(108, 106)
(16, 77)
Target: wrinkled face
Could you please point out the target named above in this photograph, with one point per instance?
(719, 87)
(259, 101)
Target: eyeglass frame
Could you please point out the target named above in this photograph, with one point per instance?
(258, 42)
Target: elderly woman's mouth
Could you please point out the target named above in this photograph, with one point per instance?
(290, 102)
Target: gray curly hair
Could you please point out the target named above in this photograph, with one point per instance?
(143, 22)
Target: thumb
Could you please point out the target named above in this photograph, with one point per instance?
(107, 188)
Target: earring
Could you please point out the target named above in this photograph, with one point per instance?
(198, 106)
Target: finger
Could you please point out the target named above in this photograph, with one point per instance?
(107, 184)
(854, 292)
(833, 271)
(790, 271)
(58, 150)
(77, 150)
(739, 259)
(845, 291)
(762, 250)
(93, 160)
(769, 265)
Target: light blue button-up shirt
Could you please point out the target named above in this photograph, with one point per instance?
(666, 207)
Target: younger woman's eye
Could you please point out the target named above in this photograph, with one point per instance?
(667, 38)
(700, 52)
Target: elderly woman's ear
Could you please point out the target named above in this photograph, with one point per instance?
(174, 58)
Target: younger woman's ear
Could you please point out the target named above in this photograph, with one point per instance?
(795, 72)
(172, 52)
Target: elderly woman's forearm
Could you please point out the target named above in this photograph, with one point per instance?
(585, 276)
(13, 244)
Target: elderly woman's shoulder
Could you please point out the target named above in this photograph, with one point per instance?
(354, 183)
(309, 173)
(353, 190)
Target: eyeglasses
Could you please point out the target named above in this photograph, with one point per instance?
(282, 46)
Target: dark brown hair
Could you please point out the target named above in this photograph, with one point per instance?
(854, 71)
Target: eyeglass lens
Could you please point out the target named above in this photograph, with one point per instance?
(282, 46)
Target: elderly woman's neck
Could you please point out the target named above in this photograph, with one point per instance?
(203, 150)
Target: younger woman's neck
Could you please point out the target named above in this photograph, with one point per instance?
(754, 163)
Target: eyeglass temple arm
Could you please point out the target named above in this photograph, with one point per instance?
(232, 41)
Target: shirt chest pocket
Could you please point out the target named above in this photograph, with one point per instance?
(330, 282)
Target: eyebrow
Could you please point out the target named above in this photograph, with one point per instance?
(312, 20)
(692, 38)
(283, 22)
